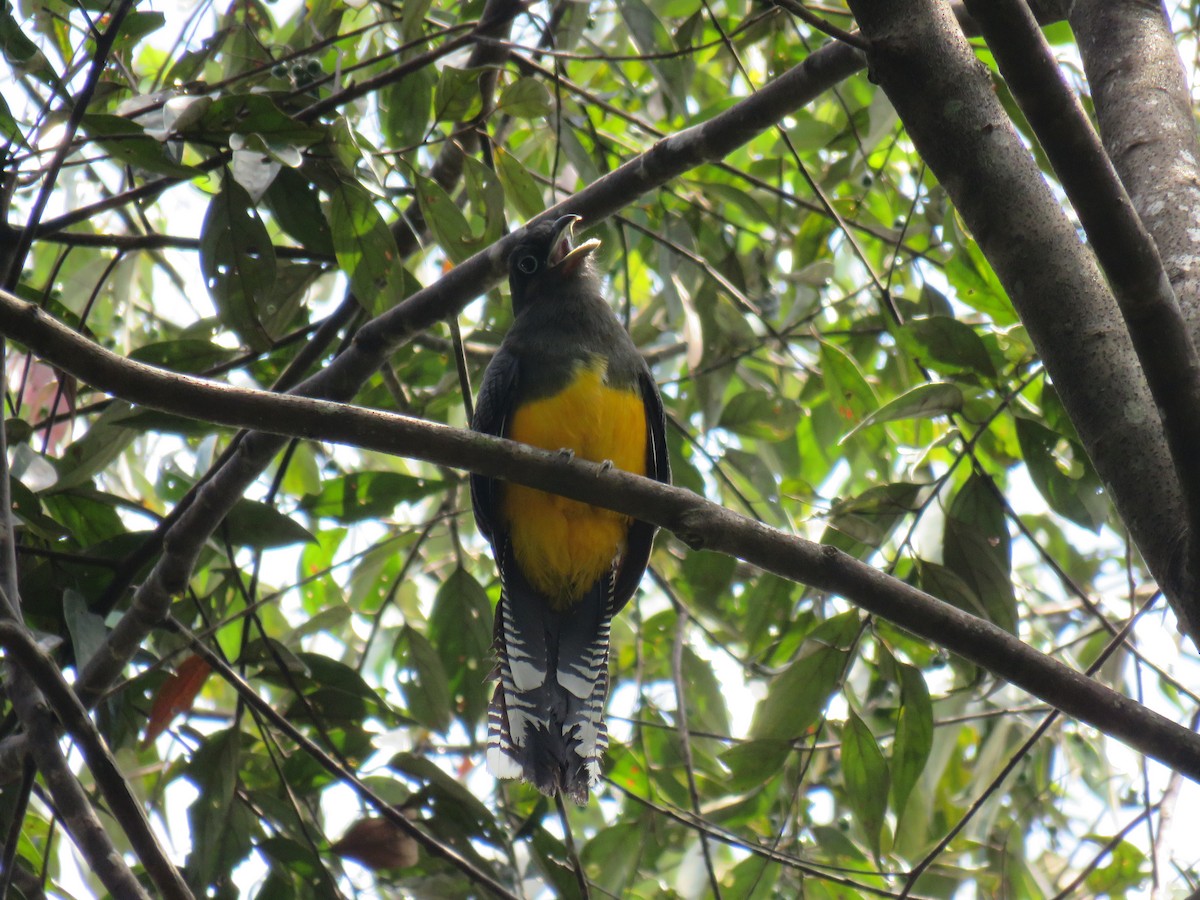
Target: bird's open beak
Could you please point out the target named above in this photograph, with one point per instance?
(563, 253)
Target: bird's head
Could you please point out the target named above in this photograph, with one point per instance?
(547, 261)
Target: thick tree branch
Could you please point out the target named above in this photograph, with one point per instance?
(945, 98)
(697, 521)
(1122, 245)
(1144, 111)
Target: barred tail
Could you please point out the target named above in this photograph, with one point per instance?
(546, 719)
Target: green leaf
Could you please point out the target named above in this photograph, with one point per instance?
(976, 547)
(186, 355)
(865, 776)
(426, 688)
(237, 261)
(218, 843)
(947, 344)
(760, 415)
(296, 207)
(251, 114)
(486, 195)
(409, 106)
(445, 219)
(460, 627)
(797, 696)
(849, 393)
(456, 97)
(136, 26)
(914, 735)
(367, 495)
(259, 525)
(86, 628)
(943, 583)
(519, 187)
(751, 763)
(1078, 496)
(925, 401)
(860, 525)
(128, 143)
(525, 98)
(366, 250)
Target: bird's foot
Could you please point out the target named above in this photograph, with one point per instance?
(566, 453)
(606, 465)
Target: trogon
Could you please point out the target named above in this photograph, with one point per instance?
(567, 377)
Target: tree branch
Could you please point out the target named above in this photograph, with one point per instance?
(1123, 247)
(945, 98)
(40, 740)
(23, 651)
(698, 522)
(1144, 111)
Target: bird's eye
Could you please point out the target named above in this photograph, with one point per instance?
(528, 264)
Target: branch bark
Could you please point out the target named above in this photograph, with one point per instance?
(944, 96)
(1123, 247)
(1140, 93)
(698, 522)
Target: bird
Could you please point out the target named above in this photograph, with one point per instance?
(567, 377)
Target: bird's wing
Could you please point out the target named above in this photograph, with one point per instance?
(658, 466)
(493, 407)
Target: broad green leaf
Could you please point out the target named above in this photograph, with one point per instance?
(760, 414)
(865, 775)
(294, 203)
(87, 629)
(186, 355)
(849, 393)
(1078, 496)
(860, 525)
(409, 106)
(220, 838)
(751, 763)
(252, 114)
(237, 261)
(425, 686)
(486, 195)
(367, 495)
(976, 547)
(796, 697)
(460, 628)
(365, 247)
(259, 525)
(527, 98)
(519, 187)
(914, 735)
(445, 219)
(128, 143)
(456, 97)
(926, 401)
(948, 345)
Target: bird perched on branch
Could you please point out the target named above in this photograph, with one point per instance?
(566, 377)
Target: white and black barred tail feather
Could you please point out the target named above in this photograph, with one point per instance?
(546, 719)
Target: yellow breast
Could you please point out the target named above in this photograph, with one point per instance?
(563, 545)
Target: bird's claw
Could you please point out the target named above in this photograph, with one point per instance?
(566, 453)
(606, 465)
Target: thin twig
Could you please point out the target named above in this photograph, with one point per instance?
(585, 890)
(685, 742)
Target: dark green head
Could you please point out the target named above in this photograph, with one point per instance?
(547, 264)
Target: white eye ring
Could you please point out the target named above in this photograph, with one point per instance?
(527, 264)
